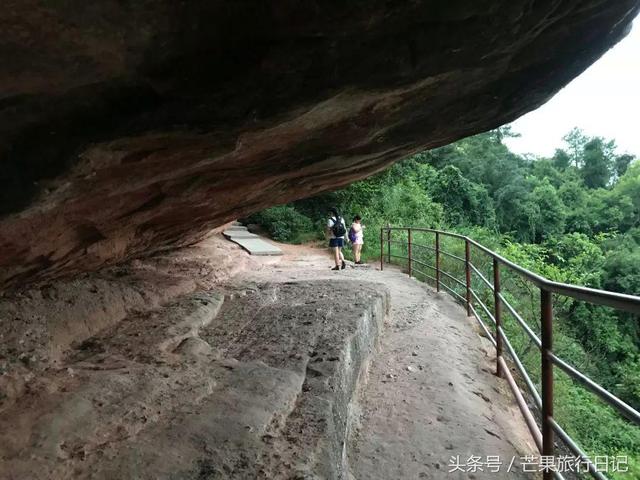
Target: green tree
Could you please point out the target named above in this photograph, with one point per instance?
(596, 164)
(622, 266)
(406, 203)
(466, 203)
(498, 168)
(552, 216)
(516, 211)
(575, 140)
(575, 198)
(628, 188)
(561, 159)
(622, 162)
(545, 169)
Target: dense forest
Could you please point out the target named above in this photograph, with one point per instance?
(574, 218)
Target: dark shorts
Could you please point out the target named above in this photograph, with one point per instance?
(336, 242)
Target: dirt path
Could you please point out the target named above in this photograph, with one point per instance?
(431, 396)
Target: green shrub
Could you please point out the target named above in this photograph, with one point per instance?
(284, 223)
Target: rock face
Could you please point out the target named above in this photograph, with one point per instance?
(132, 126)
(257, 383)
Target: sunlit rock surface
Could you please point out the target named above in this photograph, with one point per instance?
(127, 127)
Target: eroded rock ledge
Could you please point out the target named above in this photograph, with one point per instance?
(251, 381)
(128, 127)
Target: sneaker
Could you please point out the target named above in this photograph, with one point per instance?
(344, 265)
(336, 268)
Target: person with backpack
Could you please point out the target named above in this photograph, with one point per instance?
(356, 237)
(336, 229)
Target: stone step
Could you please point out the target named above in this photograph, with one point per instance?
(257, 246)
(251, 242)
(239, 234)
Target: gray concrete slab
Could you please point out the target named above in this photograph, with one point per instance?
(251, 242)
(239, 234)
(257, 246)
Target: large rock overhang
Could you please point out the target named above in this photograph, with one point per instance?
(127, 127)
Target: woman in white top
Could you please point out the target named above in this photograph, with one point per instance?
(357, 238)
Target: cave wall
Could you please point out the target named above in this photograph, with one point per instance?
(128, 127)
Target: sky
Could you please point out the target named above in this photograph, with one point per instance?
(604, 101)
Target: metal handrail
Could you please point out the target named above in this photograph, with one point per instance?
(525, 375)
(484, 327)
(484, 307)
(544, 437)
(620, 301)
(451, 255)
(423, 246)
(482, 277)
(452, 291)
(624, 408)
(459, 282)
(521, 321)
(573, 446)
(423, 264)
(425, 275)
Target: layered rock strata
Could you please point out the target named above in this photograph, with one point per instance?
(129, 127)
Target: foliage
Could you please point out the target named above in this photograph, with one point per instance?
(551, 219)
(283, 223)
(467, 203)
(575, 140)
(596, 169)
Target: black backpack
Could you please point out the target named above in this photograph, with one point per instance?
(338, 228)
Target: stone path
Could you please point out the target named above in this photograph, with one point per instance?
(251, 242)
(431, 396)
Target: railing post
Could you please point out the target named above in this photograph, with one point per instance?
(437, 262)
(381, 248)
(546, 312)
(388, 243)
(497, 313)
(409, 245)
(467, 268)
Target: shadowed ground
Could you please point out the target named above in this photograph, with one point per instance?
(245, 367)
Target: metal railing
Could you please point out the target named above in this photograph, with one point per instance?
(543, 437)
